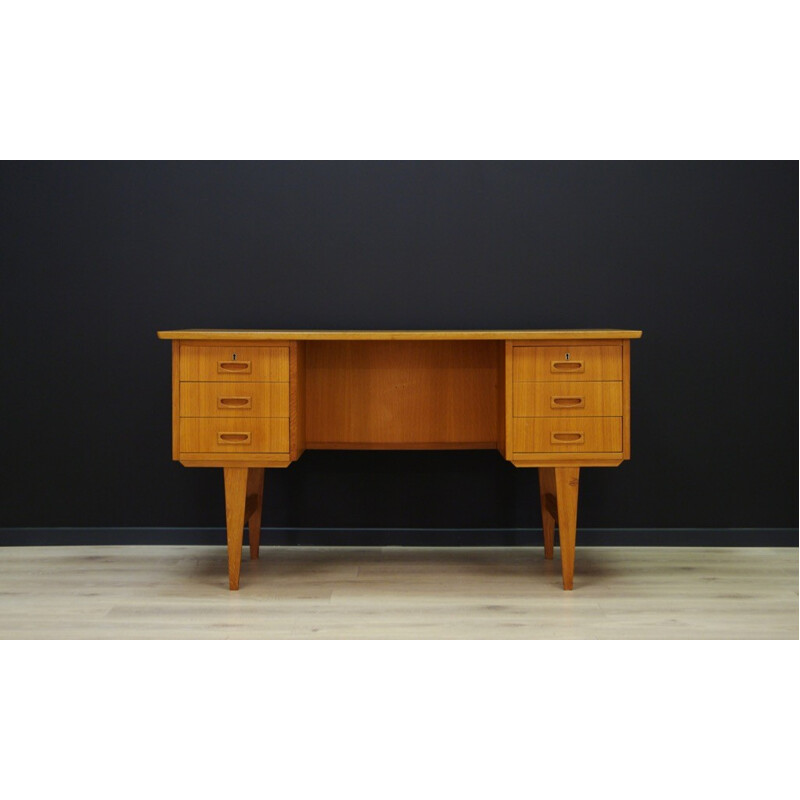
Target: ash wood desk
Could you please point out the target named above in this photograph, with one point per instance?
(247, 400)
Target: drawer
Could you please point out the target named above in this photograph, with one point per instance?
(579, 363)
(232, 363)
(209, 435)
(568, 399)
(551, 435)
(220, 399)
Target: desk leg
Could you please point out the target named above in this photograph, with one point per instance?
(547, 497)
(567, 498)
(235, 493)
(255, 499)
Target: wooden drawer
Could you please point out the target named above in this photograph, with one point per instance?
(233, 363)
(552, 435)
(585, 363)
(568, 399)
(209, 435)
(219, 399)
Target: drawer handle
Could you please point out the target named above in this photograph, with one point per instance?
(234, 402)
(566, 438)
(233, 438)
(233, 366)
(567, 402)
(567, 366)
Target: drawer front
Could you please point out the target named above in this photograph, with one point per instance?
(220, 399)
(568, 399)
(207, 363)
(550, 435)
(579, 363)
(209, 435)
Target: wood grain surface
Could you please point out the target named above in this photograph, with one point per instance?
(245, 336)
(386, 394)
(180, 592)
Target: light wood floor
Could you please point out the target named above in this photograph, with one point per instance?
(180, 592)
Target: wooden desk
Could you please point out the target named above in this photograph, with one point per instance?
(247, 400)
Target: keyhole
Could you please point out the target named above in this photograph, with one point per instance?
(566, 356)
(234, 356)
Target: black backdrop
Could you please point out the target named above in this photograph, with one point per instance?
(96, 257)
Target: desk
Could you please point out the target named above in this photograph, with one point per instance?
(244, 401)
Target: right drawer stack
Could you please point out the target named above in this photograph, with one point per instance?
(567, 399)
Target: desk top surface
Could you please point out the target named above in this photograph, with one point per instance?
(236, 335)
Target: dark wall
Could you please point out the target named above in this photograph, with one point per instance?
(96, 257)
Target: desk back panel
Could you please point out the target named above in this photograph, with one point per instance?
(402, 395)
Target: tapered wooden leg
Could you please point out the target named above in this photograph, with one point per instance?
(255, 499)
(567, 498)
(547, 497)
(235, 493)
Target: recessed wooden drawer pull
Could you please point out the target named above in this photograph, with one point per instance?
(234, 366)
(567, 366)
(567, 402)
(566, 438)
(233, 438)
(234, 402)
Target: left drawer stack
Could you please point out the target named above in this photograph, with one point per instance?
(233, 400)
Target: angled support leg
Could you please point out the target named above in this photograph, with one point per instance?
(235, 494)
(567, 498)
(255, 499)
(547, 497)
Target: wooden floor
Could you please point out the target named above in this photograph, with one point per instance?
(181, 592)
